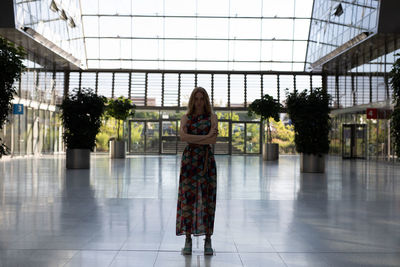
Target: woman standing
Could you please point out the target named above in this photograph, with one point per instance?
(198, 175)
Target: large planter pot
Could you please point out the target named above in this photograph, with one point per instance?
(117, 149)
(312, 163)
(78, 158)
(270, 151)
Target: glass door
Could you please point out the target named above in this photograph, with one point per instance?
(136, 137)
(238, 136)
(252, 138)
(360, 141)
(169, 137)
(346, 141)
(245, 138)
(144, 137)
(354, 141)
(223, 144)
(152, 140)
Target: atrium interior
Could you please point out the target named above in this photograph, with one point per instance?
(122, 211)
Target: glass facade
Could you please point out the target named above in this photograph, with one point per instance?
(197, 35)
(162, 97)
(360, 79)
(58, 21)
(172, 89)
(336, 22)
(156, 52)
(376, 141)
(38, 130)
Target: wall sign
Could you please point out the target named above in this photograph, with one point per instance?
(18, 109)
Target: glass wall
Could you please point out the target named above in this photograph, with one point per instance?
(377, 135)
(38, 129)
(55, 20)
(34, 132)
(171, 89)
(336, 22)
(197, 35)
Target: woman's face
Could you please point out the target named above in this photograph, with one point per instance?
(199, 102)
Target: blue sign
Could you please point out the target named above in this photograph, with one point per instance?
(18, 109)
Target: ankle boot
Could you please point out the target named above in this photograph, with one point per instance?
(208, 250)
(187, 250)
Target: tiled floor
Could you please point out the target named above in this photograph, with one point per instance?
(122, 213)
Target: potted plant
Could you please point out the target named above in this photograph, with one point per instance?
(11, 67)
(81, 114)
(267, 107)
(395, 117)
(309, 113)
(120, 109)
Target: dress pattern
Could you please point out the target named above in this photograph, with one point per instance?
(197, 183)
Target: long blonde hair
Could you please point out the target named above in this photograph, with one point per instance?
(207, 104)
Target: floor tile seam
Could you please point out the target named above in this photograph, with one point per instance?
(237, 252)
(276, 252)
(169, 221)
(334, 252)
(88, 241)
(54, 249)
(69, 260)
(220, 252)
(283, 261)
(162, 238)
(196, 251)
(115, 256)
(126, 238)
(155, 260)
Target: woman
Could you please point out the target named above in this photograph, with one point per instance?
(198, 175)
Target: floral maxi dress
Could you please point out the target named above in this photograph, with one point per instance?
(197, 183)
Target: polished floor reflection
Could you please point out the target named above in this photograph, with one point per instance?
(122, 212)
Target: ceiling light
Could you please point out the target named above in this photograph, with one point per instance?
(71, 22)
(63, 16)
(53, 6)
(338, 10)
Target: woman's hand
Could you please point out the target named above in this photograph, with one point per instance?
(213, 132)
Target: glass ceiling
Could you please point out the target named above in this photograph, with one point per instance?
(196, 35)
